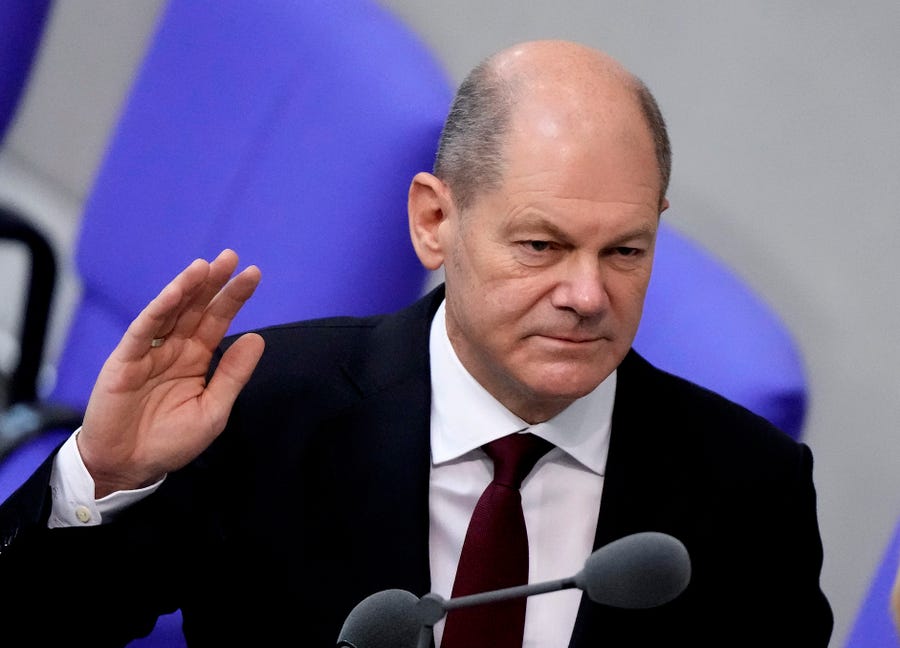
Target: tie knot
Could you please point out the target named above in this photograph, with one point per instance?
(514, 456)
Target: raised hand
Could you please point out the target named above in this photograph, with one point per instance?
(151, 410)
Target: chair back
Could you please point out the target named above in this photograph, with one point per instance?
(873, 626)
(705, 323)
(286, 130)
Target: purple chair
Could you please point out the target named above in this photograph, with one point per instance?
(22, 24)
(287, 130)
(873, 626)
(701, 321)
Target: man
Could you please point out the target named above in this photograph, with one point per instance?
(351, 456)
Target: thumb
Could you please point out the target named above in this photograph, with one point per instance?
(231, 375)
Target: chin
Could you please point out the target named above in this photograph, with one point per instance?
(563, 386)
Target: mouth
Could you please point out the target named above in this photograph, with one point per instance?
(570, 339)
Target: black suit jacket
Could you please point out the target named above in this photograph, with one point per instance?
(316, 496)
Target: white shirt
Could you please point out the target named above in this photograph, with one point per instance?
(72, 490)
(560, 498)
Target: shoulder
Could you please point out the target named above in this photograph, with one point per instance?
(317, 356)
(693, 416)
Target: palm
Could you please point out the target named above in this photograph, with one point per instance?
(151, 410)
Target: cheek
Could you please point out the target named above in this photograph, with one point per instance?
(495, 287)
(629, 290)
(496, 316)
(488, 310)
(627, 302)
(495, 293)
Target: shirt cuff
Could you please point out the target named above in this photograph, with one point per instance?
(72, 492)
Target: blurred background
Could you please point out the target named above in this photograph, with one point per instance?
(783, 119)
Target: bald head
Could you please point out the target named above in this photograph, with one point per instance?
(541, 89)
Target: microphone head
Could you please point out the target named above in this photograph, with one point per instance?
(384, 619)
(641, 570)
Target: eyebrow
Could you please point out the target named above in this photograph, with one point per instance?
(642, 231)
(540, 222)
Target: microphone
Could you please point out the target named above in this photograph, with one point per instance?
(384, 619)
(641, 570)
(638, 571)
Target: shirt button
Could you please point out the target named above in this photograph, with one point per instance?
(83, 513)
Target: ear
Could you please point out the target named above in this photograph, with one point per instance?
(428, 206)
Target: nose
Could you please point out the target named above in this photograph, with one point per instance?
(581, 287)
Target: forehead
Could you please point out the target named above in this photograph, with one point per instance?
(587, 132)
(610, 160)
(592, 204)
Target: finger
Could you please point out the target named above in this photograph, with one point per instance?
(163, 308)
(195, 303)
(225, 306)
(230, 377)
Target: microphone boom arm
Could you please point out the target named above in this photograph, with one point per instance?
(637, 571)
(431, 608)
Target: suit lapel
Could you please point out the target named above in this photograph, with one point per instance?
(645, 485)
(387, 436)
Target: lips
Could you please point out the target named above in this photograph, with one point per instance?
(573, 339)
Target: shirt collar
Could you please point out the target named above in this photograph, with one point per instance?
(464, 416)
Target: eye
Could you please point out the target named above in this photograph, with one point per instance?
(537, 252)
(627, 251)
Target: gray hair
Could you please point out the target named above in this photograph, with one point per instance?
(470, 151)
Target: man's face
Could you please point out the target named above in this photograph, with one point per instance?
(546, 276)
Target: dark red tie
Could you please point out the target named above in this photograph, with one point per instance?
(495, 551)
